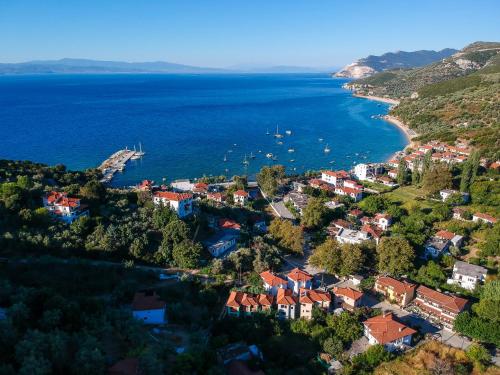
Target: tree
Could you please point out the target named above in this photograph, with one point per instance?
(162, 216)
(402, 175)
(333, 346)
(174, 233)
(488, 307)
(479, 355)
(491, 246)
(327, 256)
(314, 213)
(352, 259)
(288, 235)
(437, 178)
(366, 362)
(431, 274)
(346, 326)
(93, 190)
(187, 254)
(269, 179)
(374, 203)
(395, 256)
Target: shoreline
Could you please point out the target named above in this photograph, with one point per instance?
(377, 99)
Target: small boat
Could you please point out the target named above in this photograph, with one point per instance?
(320, 139)
(267, 132)
(327, 149)
(291, 150)
(225, 157)
(260, 151)
(235, 145)
(333, 161)
(279, 143)
(288, 132)
(245, 161)
(269, 156)
(292, 160)
(278, 135)
(252, 156)
(229, 151)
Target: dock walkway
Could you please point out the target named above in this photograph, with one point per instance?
(115, 163)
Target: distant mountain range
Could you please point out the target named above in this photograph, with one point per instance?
(370, 65)
(77, 66)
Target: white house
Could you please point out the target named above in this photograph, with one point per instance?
(354, 193)
(66, 209)
(484, 218)
(467, 275)
(351, 236)
(298, 279)
(222, 242)
(149, 308)
(240, 197)
(347, 298)
(181, 203)
(436, 247)
(383, 221)
(287, 304)
(272, 282)
(448, 193)
(385, 330)
(335, 178)
(367, 171)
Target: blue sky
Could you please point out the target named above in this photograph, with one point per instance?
(220, 33)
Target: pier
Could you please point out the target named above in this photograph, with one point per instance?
(115, 163)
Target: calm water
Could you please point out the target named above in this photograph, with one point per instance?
(187, 123)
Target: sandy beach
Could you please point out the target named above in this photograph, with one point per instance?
(378, 99)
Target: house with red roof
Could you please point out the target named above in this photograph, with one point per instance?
(355, 213)
(145, 185)
(149, 308)
(400, 292)
(383, 221)
(272, 282)
(354, 193)
(299, 279)
(335, 178)
(441, 307)
(64, 208)
(225, 223)
(244, 304)
(216, 197)
(240, 197)
(287, 304)
(387, 331)
(310, 298)
(181, 203)
(348, 298)
(200, 188)
(484, 218)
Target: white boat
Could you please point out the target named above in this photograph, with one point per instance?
(252, 156)
(140, 153)
(225, 157)
(292, 160)
(291, 150)
(269, 156)
(278, 135)
(288, 132)
(320, 139)
(267, 132)
(279, 143)
(245, 161)
(327, 149)
(136, 155)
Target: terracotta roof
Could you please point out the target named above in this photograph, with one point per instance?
(285, 297)
(374, 232)
(386, 329)
(147, 301)
(241, 193)
(266, 299)
(400, 287)
(382, 216)
(485, 217)
(445, 234)
(452, 303)
(337, 174)
(215, 196)
(299, 275)
(349, 190)
(234, 299)
(312, 296)
(127, 366)
(316, 182)
(271, 279)
(237, 299)
(348, 292)
(62, 199)
(356, 212)
(342, 223)
(226, 223)
(173, 196)
(249, 300)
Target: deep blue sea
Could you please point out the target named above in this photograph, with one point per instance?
(188, 123)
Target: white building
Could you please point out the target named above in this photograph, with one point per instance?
(448, 193)
(66, 209)
(240, 197)
(367, 171)
(272, 282)
(484, 218)
(385, 330)
(335, 178)
(181, 203)
(287, 304)
(298, 279)
(383, 221)
(351, 236)
(467, 275)
(148, 308)
(222, 242)
(354, 193)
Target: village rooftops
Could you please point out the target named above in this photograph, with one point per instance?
(348, 292)
(445, 235)
(468, 269)
(313, 296)
(286, 297)
(237, 299)
(147, 300)
(299, 275)
(173, 196)
(241, 193)
(486, 217)
(62, 199)
(225, 223)
(400, 287)
(451, 303)
(385, 329)
(271, 279)
(337, 174)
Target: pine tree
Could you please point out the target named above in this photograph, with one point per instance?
(402, 172)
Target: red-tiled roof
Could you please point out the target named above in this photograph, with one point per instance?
(147, 301)
(382, 216)
(215, 196)
(445, 234)
(348, 292)
(173, 196)
(374, 232)
(356, 212)
(337, 174)
(299, 275)
(400, 287)
(385, 329)
(226, 223)
(237, 299)
(285, 297)
(271, 279)
(485, 217)
(342, 223)
(266, 299)
(241, 193)
(312, 296)
(127, 366)
(452, 303)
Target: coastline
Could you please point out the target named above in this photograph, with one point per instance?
(377, 98)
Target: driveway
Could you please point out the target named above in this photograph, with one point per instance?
(281, 210)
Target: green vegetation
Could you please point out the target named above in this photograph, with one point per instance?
(287, 235)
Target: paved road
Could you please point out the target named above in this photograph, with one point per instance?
(281, 210)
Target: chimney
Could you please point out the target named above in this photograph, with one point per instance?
(401, 329)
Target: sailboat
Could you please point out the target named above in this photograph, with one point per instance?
(225, 157)
(278, 135)
(245, 161)
(327, 149)
(288, 132)
(267, 131)
(135, 156)
(252, 156)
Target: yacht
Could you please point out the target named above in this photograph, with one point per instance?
(252, 156)
(225, 157)
(279, 143)
(278, 135)
(288, 132)
(269, 156)
(327, 149)
(245, 161)
(291, 150)
(320, 139)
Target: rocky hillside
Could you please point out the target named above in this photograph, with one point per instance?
(393, 60)
(458, 98)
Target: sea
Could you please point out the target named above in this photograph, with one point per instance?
(191, 126)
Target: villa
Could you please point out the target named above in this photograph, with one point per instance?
(348, 298)
(64, 208)
(272, 282)
(484, 218)
(467, 275)
(298, 279)
(310, 298)
(352, 236)
(240, 197)
(354, 193)
(200, 188)
(448, 193)
(181, 203)
(216, 197)
(436, 247)
(287, 304)
(335, 178)
(387, 331)
(244, 304)
(149, 308)
(455, 239)
(365, 172)
(383, 221)
(222, 242)
(395, 291)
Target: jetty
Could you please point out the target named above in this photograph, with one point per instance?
(115, 163)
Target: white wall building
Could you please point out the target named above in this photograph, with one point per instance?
(467, 275)
(148, 308)
(385, 330)
(181, 203)
(298, 279)
(367, 171)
